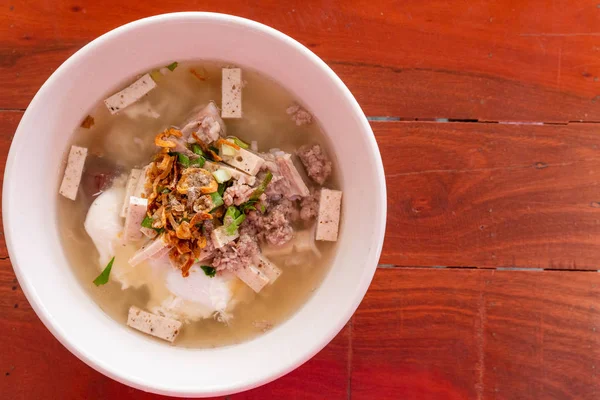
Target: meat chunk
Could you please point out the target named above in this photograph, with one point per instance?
(328, 222)
(287, 181)
(181, 147)
(288, 170)
(130, 94)
(276, 227)
(155, 325)
(207, 124)
(299, 115)
(237, 194)
(238, 254)
(278, 187)
(252, 224)
(309, 206)
(73, 172)
(231, 95)
(315, 161)
(303, 242)
(289, 208)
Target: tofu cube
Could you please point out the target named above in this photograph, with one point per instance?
(220, 237)
(136, 212)
(231, 96)
(132, 181)
(235, 174)
(140, 187)
(161, 253)
(270, 270)
(73, 172)
(149, 233)
(246, 161)
(328, 220)
(130, 94)
(161, 327)
(151, 249)
(253, 277)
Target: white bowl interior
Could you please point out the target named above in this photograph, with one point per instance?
(35, 165)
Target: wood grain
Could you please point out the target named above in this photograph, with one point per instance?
(477, 334)
(491, 195)
(419, 334)
(34, 365)
(488, 60)
(9, 121)
(459, 194)
(327, 374)
(482, 195)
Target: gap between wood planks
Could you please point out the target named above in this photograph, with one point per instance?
(394, 266)
(444, 120)
(476, 121)
(441, 120)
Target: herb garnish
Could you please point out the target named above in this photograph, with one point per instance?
(102, 279)
(239, 142)
(209, 271)
(147, 223)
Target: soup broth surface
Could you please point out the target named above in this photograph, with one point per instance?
(120, 142)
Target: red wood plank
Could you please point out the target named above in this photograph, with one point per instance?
(34, 365)
(477, 334)
(491, 195)
(8, 125)
(443, 179)
(492, 60)
(542, 335)
(324, 375)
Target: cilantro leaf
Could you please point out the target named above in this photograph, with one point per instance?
(208, 270)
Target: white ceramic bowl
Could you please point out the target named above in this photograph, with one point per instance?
(35, 164)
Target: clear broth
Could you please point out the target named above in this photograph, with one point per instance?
(120, 143)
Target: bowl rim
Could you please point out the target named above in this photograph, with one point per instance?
(28, 288)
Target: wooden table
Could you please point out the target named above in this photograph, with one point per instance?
(486, 114)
